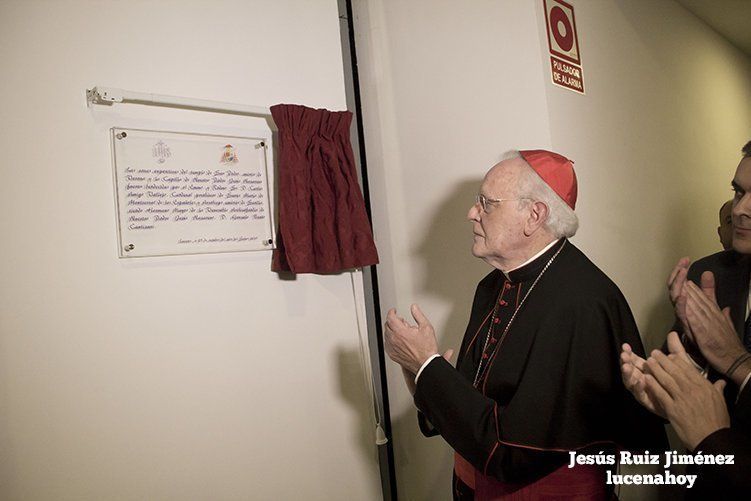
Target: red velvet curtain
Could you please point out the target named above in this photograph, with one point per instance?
(323, 226)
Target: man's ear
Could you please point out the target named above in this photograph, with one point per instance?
(538, 214)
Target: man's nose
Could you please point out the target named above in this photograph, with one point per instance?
(743, 206)
(474, 212)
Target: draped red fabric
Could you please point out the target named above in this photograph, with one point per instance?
(323, 226)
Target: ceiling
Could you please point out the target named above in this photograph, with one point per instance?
(729, 18)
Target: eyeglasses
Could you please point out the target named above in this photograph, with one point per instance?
(485, 201)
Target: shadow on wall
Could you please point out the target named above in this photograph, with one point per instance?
(658, 323)
(424, 471)
(415, 469)
(660, 319)
(353, 390)
(451, 274)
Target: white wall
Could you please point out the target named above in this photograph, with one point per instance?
(447, 89)
(196, 377)
(656, 140)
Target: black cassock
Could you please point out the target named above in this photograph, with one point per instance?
(552, 384)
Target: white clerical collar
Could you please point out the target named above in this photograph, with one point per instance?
(525, 263)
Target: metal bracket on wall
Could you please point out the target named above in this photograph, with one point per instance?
(110, 95)
(103, 95)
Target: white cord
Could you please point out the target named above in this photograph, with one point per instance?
(367, 368)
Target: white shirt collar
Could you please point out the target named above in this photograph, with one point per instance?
(525, 263)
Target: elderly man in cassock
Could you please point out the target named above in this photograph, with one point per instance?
(538, 370)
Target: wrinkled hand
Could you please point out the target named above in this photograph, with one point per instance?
(694, 406)
(409, 345)
(713, 330)
(632, 374)
(676, 282)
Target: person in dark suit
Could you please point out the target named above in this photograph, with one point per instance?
(720, 328)
(714, 320)
(725, 229)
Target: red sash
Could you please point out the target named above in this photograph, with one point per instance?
(580, 483)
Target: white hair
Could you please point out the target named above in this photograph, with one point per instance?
(562, 220)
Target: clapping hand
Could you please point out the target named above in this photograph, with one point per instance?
(695, 407)
(712, 328)
(676, 282)
(411, 345)
(633, 372)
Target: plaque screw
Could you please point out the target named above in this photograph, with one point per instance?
(129, 247)
(122, 135)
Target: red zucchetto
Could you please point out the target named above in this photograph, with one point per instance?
(556, 170)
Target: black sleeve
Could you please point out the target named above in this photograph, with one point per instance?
(467, 420)
(742, 413)
(426, 427)
(571, 383)
(726, 481)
